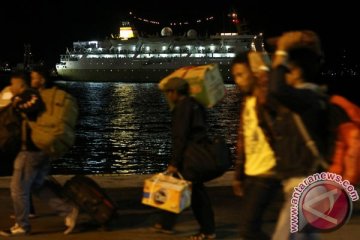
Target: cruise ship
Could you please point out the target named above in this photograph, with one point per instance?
(129, 57)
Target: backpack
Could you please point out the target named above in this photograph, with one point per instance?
(54, 130)
(345, 157)
(343, 140)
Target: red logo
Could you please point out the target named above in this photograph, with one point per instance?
(326, 206)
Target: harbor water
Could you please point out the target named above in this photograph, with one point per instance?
(124, 128)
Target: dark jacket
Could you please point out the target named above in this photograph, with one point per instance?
(293, 156)
(31, 105)
(188, 124)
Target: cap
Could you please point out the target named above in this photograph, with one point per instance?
(175, 83)
(297, 39)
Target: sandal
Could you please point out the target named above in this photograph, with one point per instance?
(202, 236)
(159, 229)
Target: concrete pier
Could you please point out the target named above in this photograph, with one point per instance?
(135, 219)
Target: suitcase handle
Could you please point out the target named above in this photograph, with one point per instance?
(173, 174)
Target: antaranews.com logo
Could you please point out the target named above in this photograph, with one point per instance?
(321, 202)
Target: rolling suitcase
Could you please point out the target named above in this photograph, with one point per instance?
(91, 198)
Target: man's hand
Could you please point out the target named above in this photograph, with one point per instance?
(171, 169)
(238, 188)
(289, 40)
(294, 39)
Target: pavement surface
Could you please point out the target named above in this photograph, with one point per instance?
(135, 219)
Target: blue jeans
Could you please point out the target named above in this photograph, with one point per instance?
(282, 229)
(30, 170)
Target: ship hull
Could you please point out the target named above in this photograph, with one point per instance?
(145, 75)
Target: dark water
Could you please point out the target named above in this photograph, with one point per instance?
(125, 128)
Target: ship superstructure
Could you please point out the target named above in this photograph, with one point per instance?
(131, 58)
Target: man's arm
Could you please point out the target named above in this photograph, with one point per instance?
(180, 130)
(29, 102)
(298, 100)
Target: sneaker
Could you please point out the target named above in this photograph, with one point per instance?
(159, 229)
(70, 220)
(16, 230)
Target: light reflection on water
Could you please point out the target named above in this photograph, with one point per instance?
(125, 128)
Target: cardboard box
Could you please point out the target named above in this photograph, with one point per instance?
(205, 81)
(167, 193)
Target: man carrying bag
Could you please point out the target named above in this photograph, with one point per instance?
(188, 124)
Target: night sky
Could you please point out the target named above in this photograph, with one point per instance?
(51, 26)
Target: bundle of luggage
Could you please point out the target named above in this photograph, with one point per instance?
(89, 197)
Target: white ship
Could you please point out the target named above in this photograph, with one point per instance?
(131, 58)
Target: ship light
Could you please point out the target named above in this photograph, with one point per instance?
(228, 34)
(212, 48)
(147, 48)
(253, 48)
(164, 48)
(177, 48)
(93, 43)
(126, 33)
